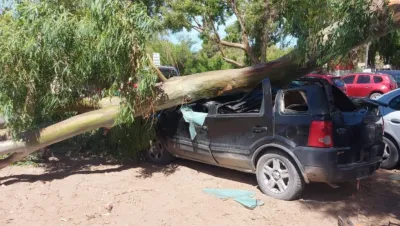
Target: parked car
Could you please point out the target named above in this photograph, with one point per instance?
(391, 117)
(394, 73)
(167, 71)
(368, 84)
(332, 79)
(310, 133)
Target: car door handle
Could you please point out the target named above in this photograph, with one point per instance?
(258, 129)
(396, 121)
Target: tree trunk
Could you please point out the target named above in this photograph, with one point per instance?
(178, 90)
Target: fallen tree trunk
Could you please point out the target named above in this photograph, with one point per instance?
(179, 90)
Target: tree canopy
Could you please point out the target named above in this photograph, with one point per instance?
(53, 51)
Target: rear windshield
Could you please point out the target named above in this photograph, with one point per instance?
(392, 79)
(338, 82)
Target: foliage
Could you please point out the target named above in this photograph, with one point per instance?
(51, 51)
(259, 24)
(388, 47)
(123, 142)
(343, 23)
(189, 62)
(274, 52)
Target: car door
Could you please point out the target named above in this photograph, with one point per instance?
(233, 135)
(362, 87)
(181, 142)
(349, 81)
(391, 115)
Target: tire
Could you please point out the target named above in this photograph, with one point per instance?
(158, 153)
(374, 95)
(390, 154)
(286, 173)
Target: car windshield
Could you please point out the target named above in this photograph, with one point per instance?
(338, 82)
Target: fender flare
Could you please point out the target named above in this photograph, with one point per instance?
(285, 150)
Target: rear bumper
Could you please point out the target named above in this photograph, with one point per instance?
(320, 165)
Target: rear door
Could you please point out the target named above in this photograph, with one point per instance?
(232, 135)
(349, 81)
(362, 88)
(392, 116)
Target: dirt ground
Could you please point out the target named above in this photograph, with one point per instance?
(87, 192)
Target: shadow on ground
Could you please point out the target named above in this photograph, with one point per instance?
(379, 196)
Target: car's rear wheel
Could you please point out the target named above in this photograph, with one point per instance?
(158, 153)
(278, 177)
(375, 95)
(390, 154)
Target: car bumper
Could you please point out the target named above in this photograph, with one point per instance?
(320, 165)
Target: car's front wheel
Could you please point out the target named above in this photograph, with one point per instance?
(278, 177)
(390, 154)
(158, 153)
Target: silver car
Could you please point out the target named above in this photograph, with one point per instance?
(391, 118)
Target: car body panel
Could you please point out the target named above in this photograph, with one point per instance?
(365, 84)
(390, 116)
(332, 79)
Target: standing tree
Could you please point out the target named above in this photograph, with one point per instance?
(256, 27)
(52, 50)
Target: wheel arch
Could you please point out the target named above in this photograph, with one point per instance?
(375, 91)
(391, 138)
(263, 149)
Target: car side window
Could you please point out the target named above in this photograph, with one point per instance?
(378, 79)
(363, 79)
(349, 79)
(395, 103)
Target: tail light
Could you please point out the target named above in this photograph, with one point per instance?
(320, 134)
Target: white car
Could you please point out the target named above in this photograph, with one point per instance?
(391, 118)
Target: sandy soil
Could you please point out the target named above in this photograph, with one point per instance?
(86, 192)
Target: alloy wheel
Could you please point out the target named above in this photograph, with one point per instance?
(276, 176)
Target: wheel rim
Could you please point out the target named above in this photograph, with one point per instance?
(276, 176)
(386, 152)
(375, 95)
(156, 150)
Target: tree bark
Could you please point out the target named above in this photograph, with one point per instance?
(179, 90)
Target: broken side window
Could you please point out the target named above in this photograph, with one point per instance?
(294, 101)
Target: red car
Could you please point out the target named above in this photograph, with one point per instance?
(332, 79)
(368, 84)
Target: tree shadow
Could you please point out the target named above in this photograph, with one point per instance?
(64, 168)
(148, 170)
(378, 197)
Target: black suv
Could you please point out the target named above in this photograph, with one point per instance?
(310, 132)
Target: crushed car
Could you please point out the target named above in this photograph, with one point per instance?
(309, 132)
